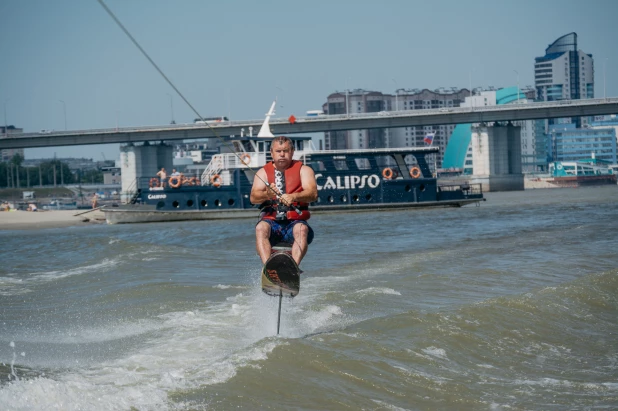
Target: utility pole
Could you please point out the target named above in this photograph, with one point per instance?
(64, 106)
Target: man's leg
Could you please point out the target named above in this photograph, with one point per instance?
(262, 242)
(299, 248)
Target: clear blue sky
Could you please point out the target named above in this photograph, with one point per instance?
(234, 57)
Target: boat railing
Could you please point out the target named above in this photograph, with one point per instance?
(130, 195)
(214, 168)
(232, 161)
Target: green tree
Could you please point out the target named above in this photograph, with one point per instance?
(92, 177)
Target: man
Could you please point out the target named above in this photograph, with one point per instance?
(162, 174)
(283, 187)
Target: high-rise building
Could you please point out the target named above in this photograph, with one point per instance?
(563, 73)
(362, 101)
(415, 99)
(352, 102)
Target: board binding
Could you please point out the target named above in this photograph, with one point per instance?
(280, 274)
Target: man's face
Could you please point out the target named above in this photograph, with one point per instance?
(282, 155)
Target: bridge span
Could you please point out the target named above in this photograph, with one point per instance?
(408, 118)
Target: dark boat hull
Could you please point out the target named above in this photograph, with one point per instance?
(346, 181)
(148, 214)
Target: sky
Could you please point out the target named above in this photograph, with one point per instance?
(67, 59)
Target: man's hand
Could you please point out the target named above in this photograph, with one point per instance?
(274, 190)
(286, 199)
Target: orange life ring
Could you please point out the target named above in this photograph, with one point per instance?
(388, 173)
(216, 180)
(174, 181)
(154, 182)
(415, 172)
(245, 159)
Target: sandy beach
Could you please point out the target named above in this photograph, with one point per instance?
(25, 220)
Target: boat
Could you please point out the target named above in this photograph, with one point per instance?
(347, 180)
(586, 172)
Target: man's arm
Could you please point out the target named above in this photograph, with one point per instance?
(260, 191)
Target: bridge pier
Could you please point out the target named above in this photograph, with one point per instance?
(496, 156)
(142, 161)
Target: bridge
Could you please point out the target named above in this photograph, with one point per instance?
(340, 122)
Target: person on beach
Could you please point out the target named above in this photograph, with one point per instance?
(162, 174)
(94, 200)
(32, 207)
(283, 187)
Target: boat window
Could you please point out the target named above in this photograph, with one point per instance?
(410, 160)
(317, 165)
(340, 164)
(385, 161)
(362, 163)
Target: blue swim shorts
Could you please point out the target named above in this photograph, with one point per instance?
(284, 231)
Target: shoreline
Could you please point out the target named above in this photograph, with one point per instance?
(27, 220)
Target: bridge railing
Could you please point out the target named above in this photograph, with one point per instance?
(332, 117)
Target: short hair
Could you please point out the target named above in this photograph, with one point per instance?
(282, 140)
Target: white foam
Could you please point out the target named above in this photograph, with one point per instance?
(18, 286)
(111, 332)
(388, 406)
(435, 352)
(227, 286)
(180, 350)
(378, 290)
(86, 269)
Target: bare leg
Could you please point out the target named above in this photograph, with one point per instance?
(299, 249)
(262, 243)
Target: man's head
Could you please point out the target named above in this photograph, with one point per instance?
(282, 150)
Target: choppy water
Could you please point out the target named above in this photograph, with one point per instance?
(510, 305)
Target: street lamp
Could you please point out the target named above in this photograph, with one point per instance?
(604, 83)
(171, 108)
(64, 107)
(346, 98)
(6, 129)
(396, 96)
(277, 96)
(517, 85)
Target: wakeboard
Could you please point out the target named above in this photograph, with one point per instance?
(281, 275)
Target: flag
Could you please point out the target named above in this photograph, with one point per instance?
(429, 138)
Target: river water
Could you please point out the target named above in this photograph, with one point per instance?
(511, 305)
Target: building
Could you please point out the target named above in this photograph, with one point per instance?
(415, 99)
(458, 151)
(352, 102)
(610, 121)
(363, 101)
(7, 154)
(111, 175)
(568, 143)
(563, 73)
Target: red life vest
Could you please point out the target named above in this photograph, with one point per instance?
(293, 184)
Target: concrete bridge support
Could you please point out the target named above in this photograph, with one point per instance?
(142, 161)
(496, 156)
